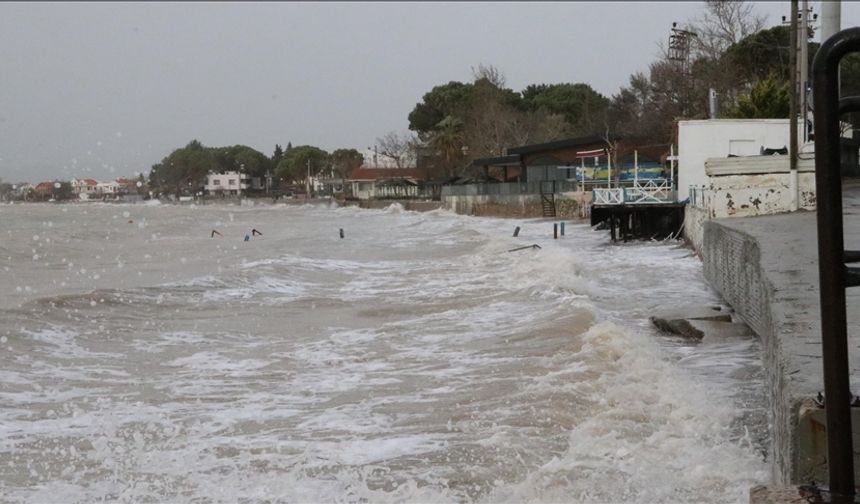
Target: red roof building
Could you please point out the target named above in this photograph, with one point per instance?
(45, 188)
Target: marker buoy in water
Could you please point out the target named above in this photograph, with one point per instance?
(516, 231)
(555, 231)
(247, 237)
(562, 228)
(341, 232)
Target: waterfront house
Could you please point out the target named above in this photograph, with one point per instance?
(576, 159)
(107, 188)
(375, 183)
(227, 183)
(45, 188)
(82, 188)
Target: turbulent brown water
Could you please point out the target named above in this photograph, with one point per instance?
(413, 360)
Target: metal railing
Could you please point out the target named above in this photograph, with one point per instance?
(698, 197)
(834, 275)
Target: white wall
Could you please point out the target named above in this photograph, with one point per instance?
(240, 182)
(746, 187)
(717, 138)
(363, 189)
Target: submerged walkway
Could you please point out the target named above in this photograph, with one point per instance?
(766, 268)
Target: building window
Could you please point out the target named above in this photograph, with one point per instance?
(232, 182)
(216, 182)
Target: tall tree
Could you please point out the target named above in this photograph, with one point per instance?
(277, 155)
(725, 22)
(768, 99)
(448, 139)
(400, 148)
(300, 161)
(451, 99)
(186, 168)
(344, 161)
(583, 108)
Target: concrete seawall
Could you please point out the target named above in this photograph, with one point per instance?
(766, 268)
(567, 205)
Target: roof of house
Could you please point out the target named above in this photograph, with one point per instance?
(559, 144)
(385, 173)
(510, 160)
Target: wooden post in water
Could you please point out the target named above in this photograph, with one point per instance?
(612, 225)
(555, 230)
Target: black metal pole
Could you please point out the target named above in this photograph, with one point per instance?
(792, 101)
(828, 183)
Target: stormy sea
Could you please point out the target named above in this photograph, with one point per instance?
(416, 359)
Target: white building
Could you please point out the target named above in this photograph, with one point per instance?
(84, 187)
(111, 187)
(227, 183)
(720, 138)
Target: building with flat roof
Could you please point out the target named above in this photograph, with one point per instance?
(227, 183)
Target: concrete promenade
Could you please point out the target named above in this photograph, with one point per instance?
(766, 268)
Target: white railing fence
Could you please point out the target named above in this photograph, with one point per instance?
(650, 191)
(613, 196)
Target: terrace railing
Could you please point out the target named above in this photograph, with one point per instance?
(612, 196)
(650, 191)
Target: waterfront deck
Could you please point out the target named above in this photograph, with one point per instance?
(639, 220)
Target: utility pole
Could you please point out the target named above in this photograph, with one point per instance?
(803, 41)
(309, 177)
(831, 22)
(679, 51)
(792, 106)
(831, 18)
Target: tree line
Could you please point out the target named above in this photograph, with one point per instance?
(731, 52)
(185, 169)
(455, 122)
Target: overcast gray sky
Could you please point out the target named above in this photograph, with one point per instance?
(108, 89)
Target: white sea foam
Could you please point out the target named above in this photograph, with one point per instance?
(414, 360)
